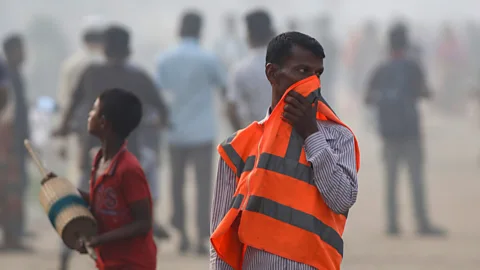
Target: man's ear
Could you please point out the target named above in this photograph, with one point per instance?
(271, 72)
(102, 122)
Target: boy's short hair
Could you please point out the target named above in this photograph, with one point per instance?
(122, 109)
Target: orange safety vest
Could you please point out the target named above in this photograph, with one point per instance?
(276, 206)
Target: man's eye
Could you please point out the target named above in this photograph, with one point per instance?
(302, 70)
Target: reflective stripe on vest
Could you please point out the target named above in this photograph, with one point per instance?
(293, 217)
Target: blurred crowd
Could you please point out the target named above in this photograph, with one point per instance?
(51, 101)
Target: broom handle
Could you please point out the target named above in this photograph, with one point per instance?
(90, 250)
(36, 159)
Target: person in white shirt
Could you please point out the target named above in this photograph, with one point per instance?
(247, 93)
(230, 47)
(75, 65)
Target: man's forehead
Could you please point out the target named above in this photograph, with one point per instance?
(300, 54)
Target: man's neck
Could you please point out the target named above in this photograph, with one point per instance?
(396, 54)
(12, 65)
(116, 61)
(190, 39)
(92, 49)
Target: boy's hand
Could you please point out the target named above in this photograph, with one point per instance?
(49, 176)
(80, 247)
(93, 242)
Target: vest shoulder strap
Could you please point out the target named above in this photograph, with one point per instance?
(237, 149)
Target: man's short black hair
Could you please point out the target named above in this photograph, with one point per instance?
(280, 47)
(11, 43)
(122, 109)
(117, 42)
(398, 37)
(191, 25)
(259, 26)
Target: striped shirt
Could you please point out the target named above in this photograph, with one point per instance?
(331, 151)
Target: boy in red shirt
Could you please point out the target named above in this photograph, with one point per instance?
(119, 196)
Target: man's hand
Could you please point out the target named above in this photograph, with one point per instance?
(62, 152)
(49, 176)
(62, 131)
(300, 114)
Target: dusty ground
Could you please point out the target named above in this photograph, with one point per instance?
(453, 185)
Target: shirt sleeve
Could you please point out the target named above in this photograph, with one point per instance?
(159, 76)
(419, 81)
(218, 72)
(234, 87)
(373, 85)
(77, 97)
(334, 167)
(134, 186)
(149, 94)
(64, 84)
(3, 75)
(223, 193)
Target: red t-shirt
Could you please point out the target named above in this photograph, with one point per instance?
(110, 197)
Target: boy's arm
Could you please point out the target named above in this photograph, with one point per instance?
(137, 194)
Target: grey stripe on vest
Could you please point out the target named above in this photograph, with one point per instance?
(233, 155)
(288, 167)
(317, 96)
(242, 166)
(295, 146)
(249, 164)
(296, 218)
(237, 201)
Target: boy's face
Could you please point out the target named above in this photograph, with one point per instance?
(96, 122)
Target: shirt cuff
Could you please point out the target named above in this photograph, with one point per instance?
(315, 143)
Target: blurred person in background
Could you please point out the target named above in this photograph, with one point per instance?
(292, 24)
(150, 137)
(230, 47)
(395, 90)
(367, 53)
(4, 84)
(451, 64)
(247, 94)
(473, 48)
(190, 74)
(90, 51)
(15, 179)
(115, 72)
(326, 38)
(47, 52)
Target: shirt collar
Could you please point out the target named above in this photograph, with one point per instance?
(113, 165)
(269, 111)
(190, 41)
